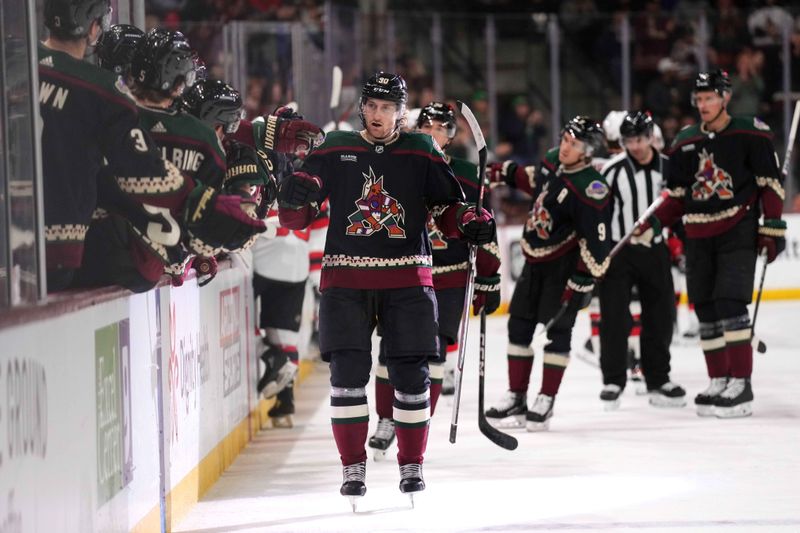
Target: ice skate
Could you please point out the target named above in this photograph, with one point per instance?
(668, 395)
(538, 417)
(281, 413)
(411, 480)
(509, 412)
(382, 439)
(279, 371)
(449, 382)
(705, 400)
(610, 396)
(353, 483)
(736, 401)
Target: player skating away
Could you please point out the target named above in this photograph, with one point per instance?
(635, 177)
(382, 184)
(450, 269)
(723, 175)
(566, 243)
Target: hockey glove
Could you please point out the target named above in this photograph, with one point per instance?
(771, 236)
(250, 171)
(578, 292)
(206, 269)
(298, 190)
(644, 234)
(487, 295)
(476, 228)
(501, 173)
(217, 221)
(286, 132)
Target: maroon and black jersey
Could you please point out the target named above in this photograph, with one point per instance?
(380, 196)
(714, 177)
(451, 256)
(88, 117)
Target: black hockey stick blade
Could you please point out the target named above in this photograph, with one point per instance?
(504, 440)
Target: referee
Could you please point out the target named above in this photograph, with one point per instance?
(635, 177)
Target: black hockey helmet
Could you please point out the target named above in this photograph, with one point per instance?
(588, 131)
(116, 47)
(163, 59)
(73, 18)
(385, 86)
(441, 112)
(717, 81)
(636, 123)
(215, 103)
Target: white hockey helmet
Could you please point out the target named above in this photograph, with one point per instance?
(611, 125)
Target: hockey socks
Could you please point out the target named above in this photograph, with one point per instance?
(554, 366)
(384, 392)
(520, 363)
(437, 376)
(738, 347)
(712, 341)
(412, 416)
(350, 423)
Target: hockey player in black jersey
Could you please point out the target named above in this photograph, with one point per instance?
(635, 178)
(723, 177)
(566, 243)
(450, 268)
(116, 47)
(382, 184)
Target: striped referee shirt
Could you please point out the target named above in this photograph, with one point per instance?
(634, 187)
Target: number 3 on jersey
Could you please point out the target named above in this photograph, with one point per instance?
(139, 142)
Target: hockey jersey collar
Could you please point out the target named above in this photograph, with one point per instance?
(392, 139)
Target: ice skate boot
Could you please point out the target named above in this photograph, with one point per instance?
(668, 395)
(509, 412)
(538, 417)
(411, 480)
(610, 396)
(353, 483)
(705, 400)
(281, 413)
(279, 371)
(382, 439)
(449, 382)
(736, 401)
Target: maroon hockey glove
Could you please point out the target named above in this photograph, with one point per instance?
(298, 190)
(477, 228)
(578, 292)
(206, 268)
(217, 222)
(487, 295)
(771, 236)
(502, 172)
(286, 132)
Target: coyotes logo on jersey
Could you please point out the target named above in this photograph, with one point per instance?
(376, 210)
(711, 180)
(540, 220)
(435, 235)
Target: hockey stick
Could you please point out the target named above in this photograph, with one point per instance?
(336, 93)
(498, 437)
(755, 341)
(614, 251)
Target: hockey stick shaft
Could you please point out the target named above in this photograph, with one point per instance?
(614, 251)
(480, 143)
(336, 93)
(787, 160)
(759, 344)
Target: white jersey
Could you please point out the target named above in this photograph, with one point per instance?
(281, 254)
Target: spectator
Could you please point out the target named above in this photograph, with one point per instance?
(521, 132)
(747, 84)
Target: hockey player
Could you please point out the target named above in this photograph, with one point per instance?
(450, 269)
(566, 244)
(116, 47)
(635, 177)
(382, 184)
(723, 175)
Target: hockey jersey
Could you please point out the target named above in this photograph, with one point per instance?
(451, 256)
(714, 177)
(380, 195)
(88, 116)
(569, 209)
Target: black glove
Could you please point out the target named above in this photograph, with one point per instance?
(298, 190)
(477, 228)
(217, 221)
(487, 295)
(771, 237)
(578, 292)
(251, 171)
(286, 132)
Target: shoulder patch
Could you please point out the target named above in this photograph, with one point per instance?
(760, 124)
(596, 190)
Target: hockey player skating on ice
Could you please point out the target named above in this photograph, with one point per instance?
(566, 244)
(450, 265)
(635, 177)
(723, 175)
(380, 277)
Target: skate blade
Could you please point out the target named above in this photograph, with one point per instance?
(411, 499)
(354, 502)
(282, 422)
(509, 422)
(660, 401)
(705, 410)
(611, 405)
(534, 427)
(737, 411)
